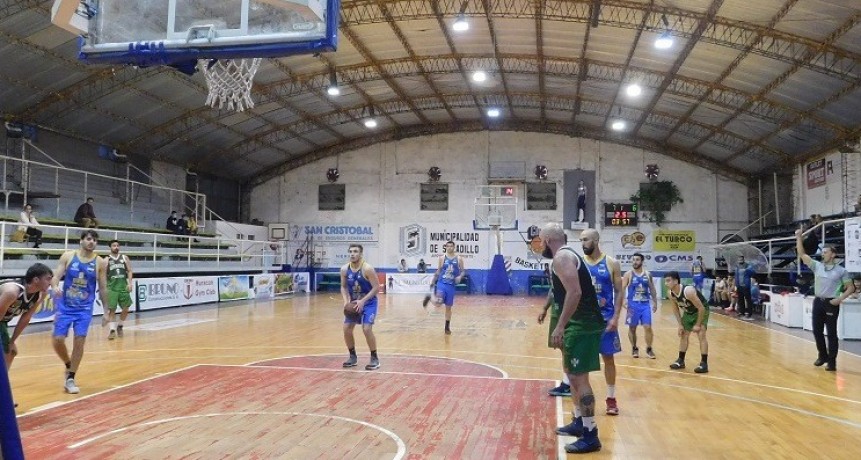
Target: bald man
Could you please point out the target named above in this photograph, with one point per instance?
(578, 333)
(607, 280)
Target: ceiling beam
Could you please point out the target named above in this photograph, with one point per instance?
(452, 49)
(845, 27)
(627, 64)
(756, 39)
(683, 56)
(782, 46)
(539, 50)
(487, 5)
(412, 54)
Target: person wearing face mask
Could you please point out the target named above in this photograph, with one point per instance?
(829, 279)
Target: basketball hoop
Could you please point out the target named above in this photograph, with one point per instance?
(229, 82)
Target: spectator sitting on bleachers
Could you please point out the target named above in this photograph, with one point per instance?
(172, 222)
(26, 220)
(192, 224)
(85, 216)
(422, 267)
(402, 266)
(182, 225)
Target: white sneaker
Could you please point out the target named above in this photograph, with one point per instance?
(70, 387)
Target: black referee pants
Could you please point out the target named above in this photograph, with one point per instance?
(825, 317)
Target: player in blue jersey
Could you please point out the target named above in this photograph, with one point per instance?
(607, 278)
(359, 287)
(698, 270)
(641, 302)
(80, 270)
(449, 273)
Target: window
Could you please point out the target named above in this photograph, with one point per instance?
(434, 197)
(332, 197)
(540, 196)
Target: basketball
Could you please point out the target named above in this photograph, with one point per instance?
(351, 308)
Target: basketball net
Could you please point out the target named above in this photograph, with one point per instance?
(229, 82)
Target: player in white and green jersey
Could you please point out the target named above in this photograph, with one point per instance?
(119, 289)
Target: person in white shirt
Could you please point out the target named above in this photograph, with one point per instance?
(26, 220)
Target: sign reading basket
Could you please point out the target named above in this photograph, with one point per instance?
(674, 241)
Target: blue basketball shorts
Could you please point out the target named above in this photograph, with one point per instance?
(79, 318)
(610, 343)
(368, 315)
(639, 313)
(446, 293)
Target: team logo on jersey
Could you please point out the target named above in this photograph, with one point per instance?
(413, 240)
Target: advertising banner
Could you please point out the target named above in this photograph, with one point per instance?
(674, 240)
(234, 287)
(264, 286)
(852, 244)
(666, 261)
(302, 282)
(155, 293)
(284, 284)
(408, 283)
(345, 233)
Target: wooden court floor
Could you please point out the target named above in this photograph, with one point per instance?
(479, 393)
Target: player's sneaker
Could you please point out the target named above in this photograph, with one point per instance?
(703, 368)
(351, 361)
(373, 365)
(112, 335)
(677, 364)
(575, 428)
(426, 301)
(587, 443)
(562, 390)
(120, 331)
(447, 331)
(104, 320)
(636, 353)
(650, 353)
(612, 408)
(70, 387)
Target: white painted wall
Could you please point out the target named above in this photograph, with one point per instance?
(835, 193)
(382, 187)
(172, 176)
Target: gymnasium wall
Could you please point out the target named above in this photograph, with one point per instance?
(382, 183)
(827, 185)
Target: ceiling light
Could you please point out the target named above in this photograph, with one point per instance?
(633, 90)
(370, 123)
(479, 76)
(664, 41)
(460, 24)
(618, 125)
(493, 113)
(333, 89)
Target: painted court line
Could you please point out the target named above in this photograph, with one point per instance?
(170, 324)
(82, 398)
(560, 421)
(751, 400)
(502, 373)
(323, 369)
(402, 448)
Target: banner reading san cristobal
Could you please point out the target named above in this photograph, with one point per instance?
(674, 240)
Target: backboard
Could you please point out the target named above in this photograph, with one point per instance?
(495, 207)
(165, 32)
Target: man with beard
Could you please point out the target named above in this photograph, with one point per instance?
(641, 301)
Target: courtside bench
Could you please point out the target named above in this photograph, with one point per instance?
(463, 285)
(538, 284)
(328, 281)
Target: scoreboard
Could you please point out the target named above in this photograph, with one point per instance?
(620, 214)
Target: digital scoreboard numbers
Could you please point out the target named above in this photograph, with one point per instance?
(620, 215)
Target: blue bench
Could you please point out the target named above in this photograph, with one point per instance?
(538, 284)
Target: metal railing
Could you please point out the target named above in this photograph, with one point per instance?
(149, 248)
(29, 167)
(772, 242)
